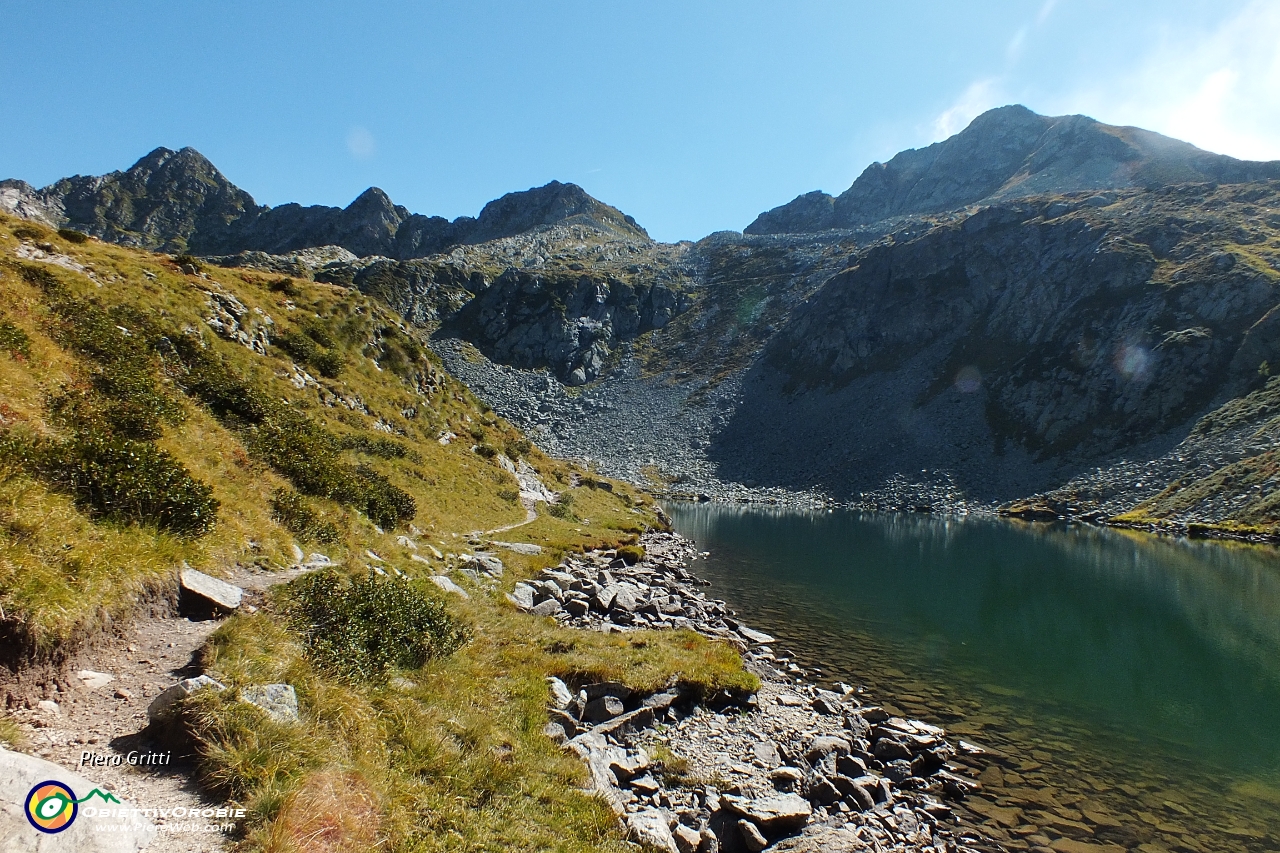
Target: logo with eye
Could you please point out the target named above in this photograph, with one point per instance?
(51, 807)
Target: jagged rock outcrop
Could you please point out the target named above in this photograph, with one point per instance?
(569, 323)
(1006, 153)
(178, 201)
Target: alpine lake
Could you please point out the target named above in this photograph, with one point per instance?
(1126, 686)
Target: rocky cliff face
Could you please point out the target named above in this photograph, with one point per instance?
(178, 201)
(1008, 153)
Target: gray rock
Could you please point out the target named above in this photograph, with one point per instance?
(555, 732)
(766, 752)
(565, 720)
(577, 607)
(625, 599)
(645, 785)
(889, 749)
(823, 745)
(550, 607)
(522, 596)
(751, 836)
(94, 680)
(687, 840)
(20, 773)
(280, 701)
(526, 548)
(160, 711)
(49, 706)
(786, 778)
(604, 708)
(449, 586)
(629, 765)
(486, 564)
(710, 843)
(649, 828)
(824, 793)
(637, 719)
(209, 591)
(561, 695)
(759, 637)
(771, 814)
(851, 766)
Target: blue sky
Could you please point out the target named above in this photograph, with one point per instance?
(693, 117)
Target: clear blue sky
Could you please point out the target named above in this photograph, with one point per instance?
(693, 117)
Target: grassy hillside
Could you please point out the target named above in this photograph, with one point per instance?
(154, 412)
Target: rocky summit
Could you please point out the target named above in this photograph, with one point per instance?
(1006, 153)
(178, 201)
(1021, 316)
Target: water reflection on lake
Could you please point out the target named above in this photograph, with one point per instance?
(1147, 668)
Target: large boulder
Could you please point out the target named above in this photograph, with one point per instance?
(205, 596)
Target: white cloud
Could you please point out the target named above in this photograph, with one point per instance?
(980, 96)
(360, 143)
(1219, 90)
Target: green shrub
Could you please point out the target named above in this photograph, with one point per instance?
(295, 513)
(73, 236)
(304, 348)
(488, 451)
(383, 448)
(516, 448)
(206, 377)
(311, 458)
(283, 285)
(360, 630)
(126, 481)
(13, 340)
(509, 495)
(562, 508)
(30, 232)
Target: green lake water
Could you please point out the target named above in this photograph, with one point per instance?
(1128, 685)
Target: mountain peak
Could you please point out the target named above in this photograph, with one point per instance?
(1009, 152)
(552, 203)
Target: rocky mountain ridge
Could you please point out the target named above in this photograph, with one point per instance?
(1008, 153)
(178, 201)
(1050, 343)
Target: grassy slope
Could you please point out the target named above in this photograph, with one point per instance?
(456, 761)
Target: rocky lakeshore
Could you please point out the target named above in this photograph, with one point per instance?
(792, 767)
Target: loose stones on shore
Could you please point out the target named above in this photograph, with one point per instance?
(795, 767)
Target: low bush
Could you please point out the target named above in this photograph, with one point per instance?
(126, 481)
(383, 448)
(188, 261)
(509, 495)
(562, 508)
(304, 348)
(360, 630)
(515, 448)
(30, 232)
(13, 340)
(488, 451)
(283, 285)
(295, 513)
(73, 236)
